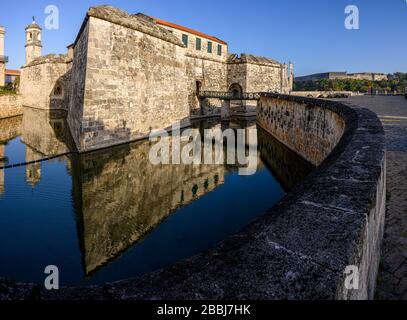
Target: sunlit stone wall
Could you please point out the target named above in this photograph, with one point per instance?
(212, 76)
(45, 82)
(134, 81)
(10, 105)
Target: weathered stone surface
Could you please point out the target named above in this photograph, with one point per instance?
(127, 93)
(45, 82)
(392, 112)
(10, 105)
(78, 78)
(313, 132)
(135, 22)
(258, 74)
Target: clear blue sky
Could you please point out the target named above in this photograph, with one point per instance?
(310, 33)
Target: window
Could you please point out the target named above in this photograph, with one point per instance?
(185, 39)
(219, 50)
(209, 47)
(58, 92)
(198, 44)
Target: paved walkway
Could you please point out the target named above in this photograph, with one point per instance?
(392, 280)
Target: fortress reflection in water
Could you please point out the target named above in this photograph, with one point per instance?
(119, 196)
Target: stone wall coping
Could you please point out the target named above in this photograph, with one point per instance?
(252, 59)
(122, 18)
(296, 250)
(50, 58)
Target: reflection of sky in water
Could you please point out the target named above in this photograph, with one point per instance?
(50, 215)
(15, 151)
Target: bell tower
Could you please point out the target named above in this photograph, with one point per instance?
(33, 46)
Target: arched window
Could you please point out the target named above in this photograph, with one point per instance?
(236, 90)
(58, 92)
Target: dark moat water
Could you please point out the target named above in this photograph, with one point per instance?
(111, 214)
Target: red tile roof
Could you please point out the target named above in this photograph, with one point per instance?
(10, 72)
(197, 33)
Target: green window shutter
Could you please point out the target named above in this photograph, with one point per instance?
(219, 50)
(198, 44)
(185, 39)
(209, 47)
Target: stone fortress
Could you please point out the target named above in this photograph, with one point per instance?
(127, 75)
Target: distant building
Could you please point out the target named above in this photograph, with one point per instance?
(11, 75)
(343, 75)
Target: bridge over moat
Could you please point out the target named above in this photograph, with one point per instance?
(234, 102)
(229, 96)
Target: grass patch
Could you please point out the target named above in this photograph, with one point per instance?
(5, 90)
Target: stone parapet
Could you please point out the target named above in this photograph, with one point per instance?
(134, 22)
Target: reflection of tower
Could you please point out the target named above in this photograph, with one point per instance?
(3, 59)
(33, 46)
(2, 162)
(32, 171)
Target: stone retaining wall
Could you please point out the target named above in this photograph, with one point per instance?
(342, 205)
(311, 132)
(10, 105)
(300, 248)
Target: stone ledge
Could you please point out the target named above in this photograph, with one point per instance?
(119, 17)
(49, 58)
(297, 250)
(252, 59)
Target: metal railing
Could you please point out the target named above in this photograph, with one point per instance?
(3, 59)
(229, 95)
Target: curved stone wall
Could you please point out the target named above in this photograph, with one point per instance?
(311, 131)
(302, 247)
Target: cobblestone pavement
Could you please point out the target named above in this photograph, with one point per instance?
(392, 280)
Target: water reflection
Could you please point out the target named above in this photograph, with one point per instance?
(123, 203)
(286, 165)
(121, 196)
(45, 132)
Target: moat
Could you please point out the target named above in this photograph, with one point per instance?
(111, 214)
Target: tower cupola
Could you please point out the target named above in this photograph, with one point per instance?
(33, 46)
